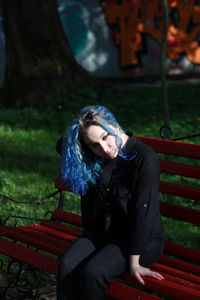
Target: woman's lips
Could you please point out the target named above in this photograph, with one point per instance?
(111, 153)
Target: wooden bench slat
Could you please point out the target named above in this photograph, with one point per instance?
(62, 227)
(122, 291)
(179, 169)
(182, 251)
(179, 264)
(29, 256)
(172, 147)
(48, 231)
(178, 212)
(176, 272)
(171, 286)
(67, 217)
(37, 241)
(179, 190)
(43, 236)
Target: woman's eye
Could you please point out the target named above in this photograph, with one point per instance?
(105, 136)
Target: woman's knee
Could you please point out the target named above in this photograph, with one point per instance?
(91, 271)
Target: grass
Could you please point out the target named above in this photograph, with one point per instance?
(29, 162)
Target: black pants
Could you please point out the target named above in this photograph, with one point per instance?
(89, 265)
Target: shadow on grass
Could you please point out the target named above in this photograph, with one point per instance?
(28, 159)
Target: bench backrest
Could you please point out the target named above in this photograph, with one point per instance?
(187, 189)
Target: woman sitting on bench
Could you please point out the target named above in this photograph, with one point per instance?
(118, 179)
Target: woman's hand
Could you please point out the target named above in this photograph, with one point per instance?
(138, 271)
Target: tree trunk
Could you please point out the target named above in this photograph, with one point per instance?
(39, 62)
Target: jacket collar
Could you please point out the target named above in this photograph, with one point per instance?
(130, 145)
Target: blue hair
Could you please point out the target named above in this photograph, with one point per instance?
(79, 165)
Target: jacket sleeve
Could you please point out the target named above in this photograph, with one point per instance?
(144, 210)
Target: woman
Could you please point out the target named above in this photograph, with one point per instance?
(117, 177)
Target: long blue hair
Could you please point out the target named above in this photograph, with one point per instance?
(79, 165)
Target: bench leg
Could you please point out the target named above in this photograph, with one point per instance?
(61, 200)
(25, 282)
(12, 283)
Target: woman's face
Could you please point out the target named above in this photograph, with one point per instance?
(100, 141)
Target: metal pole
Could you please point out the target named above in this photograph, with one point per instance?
(163, 71)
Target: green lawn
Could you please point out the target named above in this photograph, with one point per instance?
(29, 162)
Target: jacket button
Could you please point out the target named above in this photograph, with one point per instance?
(107, 189)
(145, 205)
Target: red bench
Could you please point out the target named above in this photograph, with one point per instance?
(180, 265)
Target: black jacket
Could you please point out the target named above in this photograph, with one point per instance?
(124, 204)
